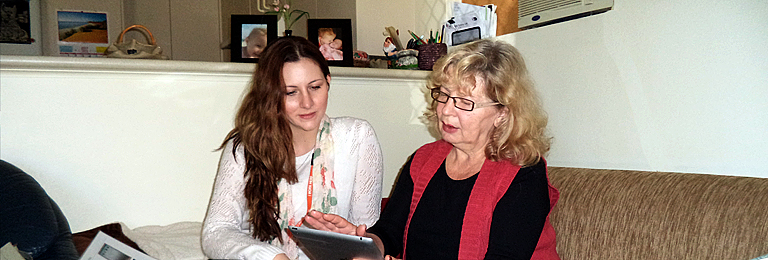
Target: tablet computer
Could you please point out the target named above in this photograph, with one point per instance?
(327, 245)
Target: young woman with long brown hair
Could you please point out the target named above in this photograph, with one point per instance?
(286, 157)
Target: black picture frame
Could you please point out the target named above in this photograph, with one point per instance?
(18, 26)
(242, 26)
(342, 28)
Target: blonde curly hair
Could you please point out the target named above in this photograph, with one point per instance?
(521, 137)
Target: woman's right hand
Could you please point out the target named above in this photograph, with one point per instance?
(333, 222)
(281, 257)
(389, 257)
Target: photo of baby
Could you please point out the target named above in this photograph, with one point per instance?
(254, 40)
(329, 45)
(334, 40)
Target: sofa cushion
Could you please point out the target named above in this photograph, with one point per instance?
(617, 214)
(30, 219)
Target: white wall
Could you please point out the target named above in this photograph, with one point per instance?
(657, 85)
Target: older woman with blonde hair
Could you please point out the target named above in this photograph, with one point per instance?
(481, 192)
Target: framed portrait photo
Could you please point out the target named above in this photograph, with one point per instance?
(334, 38)
(250, 34)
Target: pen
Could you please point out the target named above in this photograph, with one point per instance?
(416, 37)
(431, 39)
(442, 34)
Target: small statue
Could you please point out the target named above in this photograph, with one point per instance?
(389, 48)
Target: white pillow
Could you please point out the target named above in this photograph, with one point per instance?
(177, 241)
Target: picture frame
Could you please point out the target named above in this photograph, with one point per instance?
(332, 33)
(246, 27)
(27, 22)
(16, 22)
(82, 33)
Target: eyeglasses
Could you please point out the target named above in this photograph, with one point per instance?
(458, 102)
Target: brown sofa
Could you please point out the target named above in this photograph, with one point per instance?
(617, 214)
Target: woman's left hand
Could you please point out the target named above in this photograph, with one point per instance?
(334, 223)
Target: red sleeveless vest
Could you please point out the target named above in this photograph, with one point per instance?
(491, 184)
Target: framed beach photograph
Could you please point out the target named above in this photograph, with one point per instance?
(250, 34)
(334, 38)
(82, 33)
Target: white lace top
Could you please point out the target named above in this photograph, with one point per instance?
(358, 169)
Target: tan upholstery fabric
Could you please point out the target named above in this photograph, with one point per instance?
(612, 214)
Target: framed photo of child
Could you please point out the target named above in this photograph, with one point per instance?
(334, 38)
(250, 34)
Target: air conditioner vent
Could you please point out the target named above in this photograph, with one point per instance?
(535, 13)
(535, 6)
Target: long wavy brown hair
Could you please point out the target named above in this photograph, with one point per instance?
(263, 129)
(521, 137)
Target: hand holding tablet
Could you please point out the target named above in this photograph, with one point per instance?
(320, 244)
(334, 223)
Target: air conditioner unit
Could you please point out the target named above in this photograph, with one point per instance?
(534, 13)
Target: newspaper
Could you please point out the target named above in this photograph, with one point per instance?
(104, 247)
(469, 23)
(11, 252)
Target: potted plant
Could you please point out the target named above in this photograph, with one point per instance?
(283, 10)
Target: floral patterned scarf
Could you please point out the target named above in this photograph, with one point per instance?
(323, 188)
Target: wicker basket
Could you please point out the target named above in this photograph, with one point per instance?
(429, 53)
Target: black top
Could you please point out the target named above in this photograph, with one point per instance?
(435, 229)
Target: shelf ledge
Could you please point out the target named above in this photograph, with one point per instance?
(48, 63)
